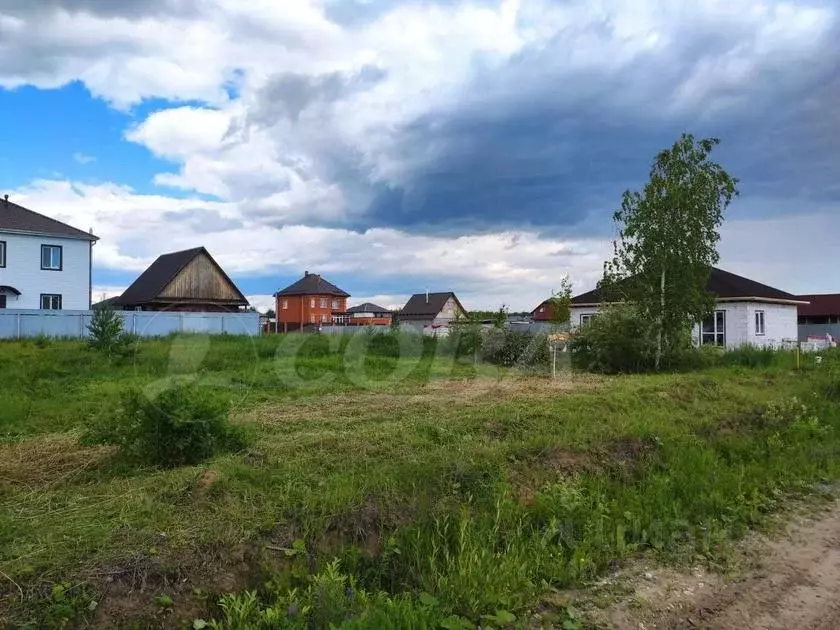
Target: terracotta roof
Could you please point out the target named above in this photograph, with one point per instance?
(20, 220)
(426, 305)
(160, 273)
(312, 284)
(820, 304)
(368, 307)
(723, 284)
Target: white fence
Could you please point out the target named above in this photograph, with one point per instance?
(18, 324)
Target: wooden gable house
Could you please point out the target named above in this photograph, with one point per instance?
(189, 280)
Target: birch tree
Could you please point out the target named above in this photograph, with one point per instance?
(667, 238)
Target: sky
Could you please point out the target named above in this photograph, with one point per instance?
(395, 146)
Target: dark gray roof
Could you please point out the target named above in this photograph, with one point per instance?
(17, 219)
(722, 284)
(312, 284)
(427, 305)
(160, 273)
(368, 307)
(110, 302)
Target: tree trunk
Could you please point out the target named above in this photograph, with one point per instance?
(661, 320)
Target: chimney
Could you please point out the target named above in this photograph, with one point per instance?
(427, 296)
(305, 273)
(6, 200)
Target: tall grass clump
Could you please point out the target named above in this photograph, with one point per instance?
(185, 424)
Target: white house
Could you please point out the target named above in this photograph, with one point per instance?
(44, 263)
(431, 312)
(746, 312)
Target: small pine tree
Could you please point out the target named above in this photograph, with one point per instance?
(106, 330)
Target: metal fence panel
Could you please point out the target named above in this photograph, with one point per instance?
(15, 324)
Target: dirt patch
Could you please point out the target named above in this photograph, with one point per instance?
(791, 581)
(205, 480)
(194, 581)
(47, 461)
(627, 456)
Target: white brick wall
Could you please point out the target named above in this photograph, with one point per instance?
(23, 271)
(780, 322)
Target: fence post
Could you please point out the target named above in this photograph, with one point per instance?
(180, 322)
(19, 327)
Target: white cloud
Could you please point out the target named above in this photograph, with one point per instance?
(83, 158)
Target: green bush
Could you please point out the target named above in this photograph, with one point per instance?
(183, 425)
(512, 347)
(620, 339)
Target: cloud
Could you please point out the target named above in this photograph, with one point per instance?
(483, 141)
(83, 158)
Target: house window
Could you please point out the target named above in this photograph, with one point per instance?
(2, 253)
(312, 303)
(542, 309)
(50, 302)
(51, 258)
(759, 322)
(323, 319)
(312, 318)
(323, 302)
(285, 305)
(713, 330)
(586, 318)
(336, 305)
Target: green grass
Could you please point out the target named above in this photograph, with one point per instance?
(444, 490)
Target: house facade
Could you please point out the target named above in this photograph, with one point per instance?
(431, 313)
(368, 314)
(188, 281)
(820, 317)
(746, 313)
(312, 301)
(44, 263)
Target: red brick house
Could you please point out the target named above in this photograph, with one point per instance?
(311, 301)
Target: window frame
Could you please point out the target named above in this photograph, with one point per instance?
(60, 249)
(311, 302)
(3, 249)
(717, 333)
(585, 318)
(336, 305)
(762, 330)
(312, 318)
(51, 296)
(324, 302)
(284, 304)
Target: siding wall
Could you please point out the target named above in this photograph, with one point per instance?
(23, 271)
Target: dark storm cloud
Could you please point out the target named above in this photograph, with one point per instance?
(535, 146)
(287, 95)
(104, 8)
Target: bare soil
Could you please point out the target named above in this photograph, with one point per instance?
(789, 581)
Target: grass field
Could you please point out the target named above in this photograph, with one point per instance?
(377, 487)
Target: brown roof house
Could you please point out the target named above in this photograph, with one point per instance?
(820, 317)
(746, 312)
(310, 303)
(189, 280)
(44, 264)
(431, 312)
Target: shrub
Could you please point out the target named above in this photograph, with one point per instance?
(620, 339)
(512, 347)
(106, 332)
(464, 340)
(183, 425)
